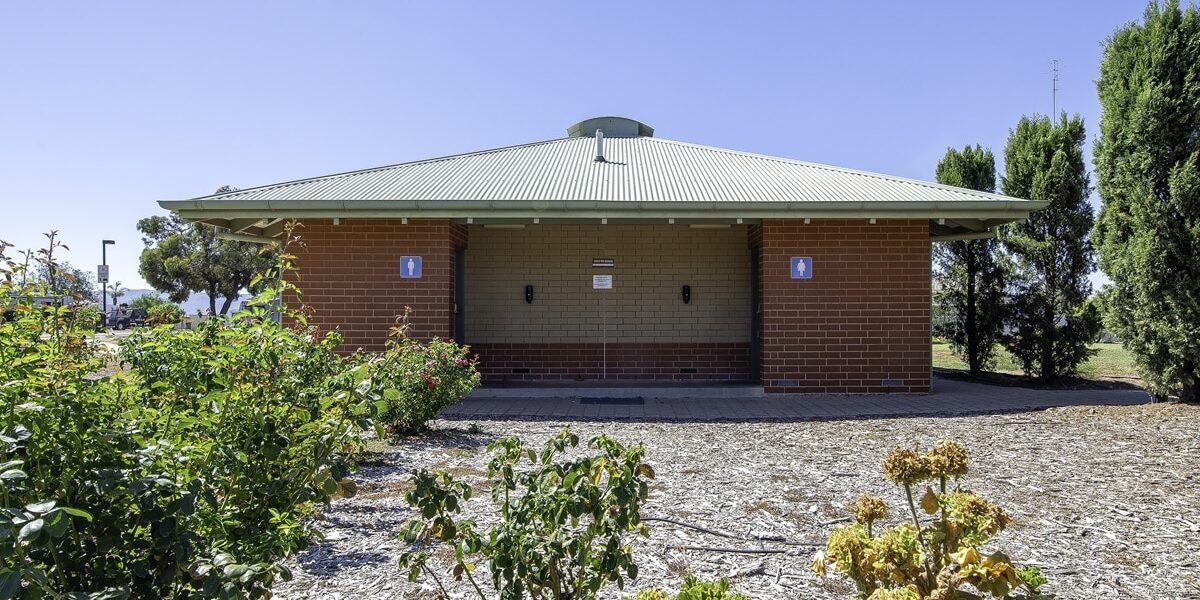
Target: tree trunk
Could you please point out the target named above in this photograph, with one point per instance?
(225, 305)
(212, 300)
(1190, 393)
(1049, 369)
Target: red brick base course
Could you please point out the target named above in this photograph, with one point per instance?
(625, 361)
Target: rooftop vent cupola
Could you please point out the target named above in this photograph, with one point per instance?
(613, 127)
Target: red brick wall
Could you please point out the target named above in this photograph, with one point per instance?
(861, 324)
(350, 276)
(684, 361)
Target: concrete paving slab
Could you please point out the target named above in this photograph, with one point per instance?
(749, 403)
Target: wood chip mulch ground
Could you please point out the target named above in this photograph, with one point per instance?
(1105, 499)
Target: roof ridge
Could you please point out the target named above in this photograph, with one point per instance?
(836, 169)
(345, 174)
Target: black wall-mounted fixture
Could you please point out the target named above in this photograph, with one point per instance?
(687, 294)
(529, 294)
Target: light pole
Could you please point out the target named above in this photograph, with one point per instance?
(103, 278)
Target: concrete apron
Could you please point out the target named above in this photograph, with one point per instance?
(636, 390)
(749, 403)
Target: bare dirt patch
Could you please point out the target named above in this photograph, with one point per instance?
(1105, 499)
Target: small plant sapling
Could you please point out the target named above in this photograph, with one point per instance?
(562, 520)
(694, 589)
(938, 558)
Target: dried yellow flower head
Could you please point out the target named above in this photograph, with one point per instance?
(867, 509)
(905, 467)
(977, 514)
(947, 459)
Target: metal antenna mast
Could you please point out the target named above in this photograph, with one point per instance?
(1054, 89)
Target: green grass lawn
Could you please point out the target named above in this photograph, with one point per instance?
(1111, 361)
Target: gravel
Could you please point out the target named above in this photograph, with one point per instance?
(1105, 499)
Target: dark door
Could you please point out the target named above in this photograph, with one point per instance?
(460, 289)
(755, 341)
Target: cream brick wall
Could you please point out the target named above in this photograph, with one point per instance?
(653, 262)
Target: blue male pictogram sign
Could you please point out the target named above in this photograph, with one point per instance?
(801, 267)
(410, 267)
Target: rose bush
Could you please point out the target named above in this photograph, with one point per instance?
(414, 380)
(191, 474)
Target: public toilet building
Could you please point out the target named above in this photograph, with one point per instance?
(614, 255)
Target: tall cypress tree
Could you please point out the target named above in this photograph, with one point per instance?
(1148, 162)
(1049, 329)
(970, 278)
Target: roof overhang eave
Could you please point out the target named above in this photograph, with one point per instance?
(973, 235)
(226, 234)
(288, 209)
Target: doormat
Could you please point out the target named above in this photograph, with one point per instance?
(630, 401)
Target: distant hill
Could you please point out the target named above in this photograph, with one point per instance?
(128, 296)
(195, 302)
(199, 302)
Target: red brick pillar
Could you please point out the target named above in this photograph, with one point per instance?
(350, 277)
(861, 323)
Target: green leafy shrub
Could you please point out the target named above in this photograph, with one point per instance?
(941, 559)
(159, 310)
(85, 317)
(694, 589)
(415, 380)
(191, 475)
(561, 520)
(165, 313)
(264, 426)
(148, 301)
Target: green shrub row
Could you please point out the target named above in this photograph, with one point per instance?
(193, 471)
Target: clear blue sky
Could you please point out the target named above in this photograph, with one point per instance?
(106, 107)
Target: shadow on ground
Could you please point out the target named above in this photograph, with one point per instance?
(322, 561)
(1021, 381)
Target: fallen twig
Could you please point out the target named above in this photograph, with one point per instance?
(754, 536)
(832, 521)
(696, 527)
(732, 550)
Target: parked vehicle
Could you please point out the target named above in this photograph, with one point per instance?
(75, 309)
(123, 317)
(10, 312)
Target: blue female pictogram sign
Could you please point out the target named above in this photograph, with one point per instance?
(801, 267)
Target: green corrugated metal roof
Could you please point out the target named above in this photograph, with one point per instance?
(643, 177)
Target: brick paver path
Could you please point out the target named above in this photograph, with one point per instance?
(746, 403)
